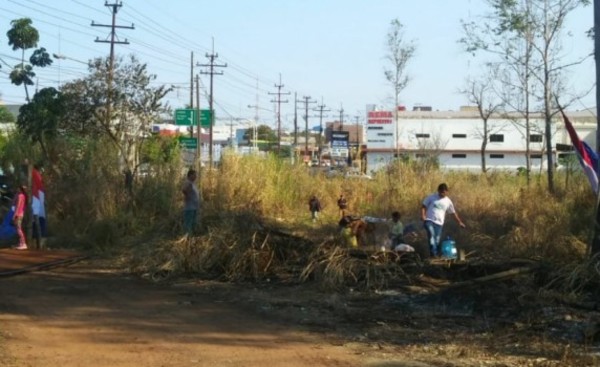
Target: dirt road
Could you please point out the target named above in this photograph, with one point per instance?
(91, 314)
(84, 315)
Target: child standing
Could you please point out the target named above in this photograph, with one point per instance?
(314, 205)
(396, 234)
(20, 205)
(342, 204)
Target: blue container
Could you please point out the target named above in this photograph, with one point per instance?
(449, 249)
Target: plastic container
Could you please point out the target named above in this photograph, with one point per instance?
(449, 249)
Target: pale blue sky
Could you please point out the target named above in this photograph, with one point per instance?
(330, 49)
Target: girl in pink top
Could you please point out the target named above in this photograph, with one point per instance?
(20, 204)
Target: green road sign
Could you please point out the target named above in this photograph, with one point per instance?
(205, 118)
(185, 117)
(188, 117)
(189, 143)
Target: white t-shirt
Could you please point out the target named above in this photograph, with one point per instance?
(437, 207)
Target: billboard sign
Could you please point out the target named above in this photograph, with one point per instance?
(380, 130)
(340, 139)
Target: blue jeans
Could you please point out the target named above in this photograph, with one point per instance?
(189, 221)
(434, 235)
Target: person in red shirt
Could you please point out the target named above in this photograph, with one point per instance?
(38, 202)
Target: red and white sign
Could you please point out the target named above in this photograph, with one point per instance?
(380, 117)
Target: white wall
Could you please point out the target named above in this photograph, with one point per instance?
(455, 139)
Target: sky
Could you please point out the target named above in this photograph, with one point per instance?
(330, 50)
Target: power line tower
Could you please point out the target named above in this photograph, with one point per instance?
(279, 101)
(306, 100)
(211, 71)
(113, 41)
(321, 109)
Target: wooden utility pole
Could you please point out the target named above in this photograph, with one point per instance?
(113, 26)
(278, 102)
(198, 127)
(321, 109)
(295, 119)
(211, 71)
(341, 117)
(192, 80)
(306, 100)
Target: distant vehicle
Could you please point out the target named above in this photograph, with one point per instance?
(357, 175)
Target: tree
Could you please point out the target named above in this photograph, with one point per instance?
(40, 118)
(135, 106)
(526, 35)
(263, 132)
(400, 52)
(481, 93)
(6, 115)
(23, 36)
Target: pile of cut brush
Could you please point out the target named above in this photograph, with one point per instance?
(242, 247)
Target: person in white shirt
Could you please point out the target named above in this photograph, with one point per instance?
(433, 213)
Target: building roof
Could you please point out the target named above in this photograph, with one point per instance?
(473, 113)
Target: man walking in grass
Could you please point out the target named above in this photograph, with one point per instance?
(191, 202)
(433, 213)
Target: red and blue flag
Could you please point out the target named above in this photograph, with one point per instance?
(588, 158)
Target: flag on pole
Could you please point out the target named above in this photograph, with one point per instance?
(588, 158)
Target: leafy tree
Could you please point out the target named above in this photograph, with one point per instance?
(6, 115)
(23, 36)
(263, 132)
(40, 118)
(400, 52)
(135, 106)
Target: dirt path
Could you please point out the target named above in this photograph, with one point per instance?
(89, 316)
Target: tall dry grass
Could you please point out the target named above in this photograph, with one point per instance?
(505, 217)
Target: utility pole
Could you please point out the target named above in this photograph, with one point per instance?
(295, 119)
(192, 94)
(307, 102)
(341, 117)
(321, 109)
(256, 117)
(113, 26)
(211, 71)
(278, 101)
(198, 135)
(192, 82)
(358, 145)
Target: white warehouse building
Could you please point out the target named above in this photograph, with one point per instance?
(455, 138)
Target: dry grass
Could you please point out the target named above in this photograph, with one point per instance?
(505, 218)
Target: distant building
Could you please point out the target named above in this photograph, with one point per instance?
(454, 138)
